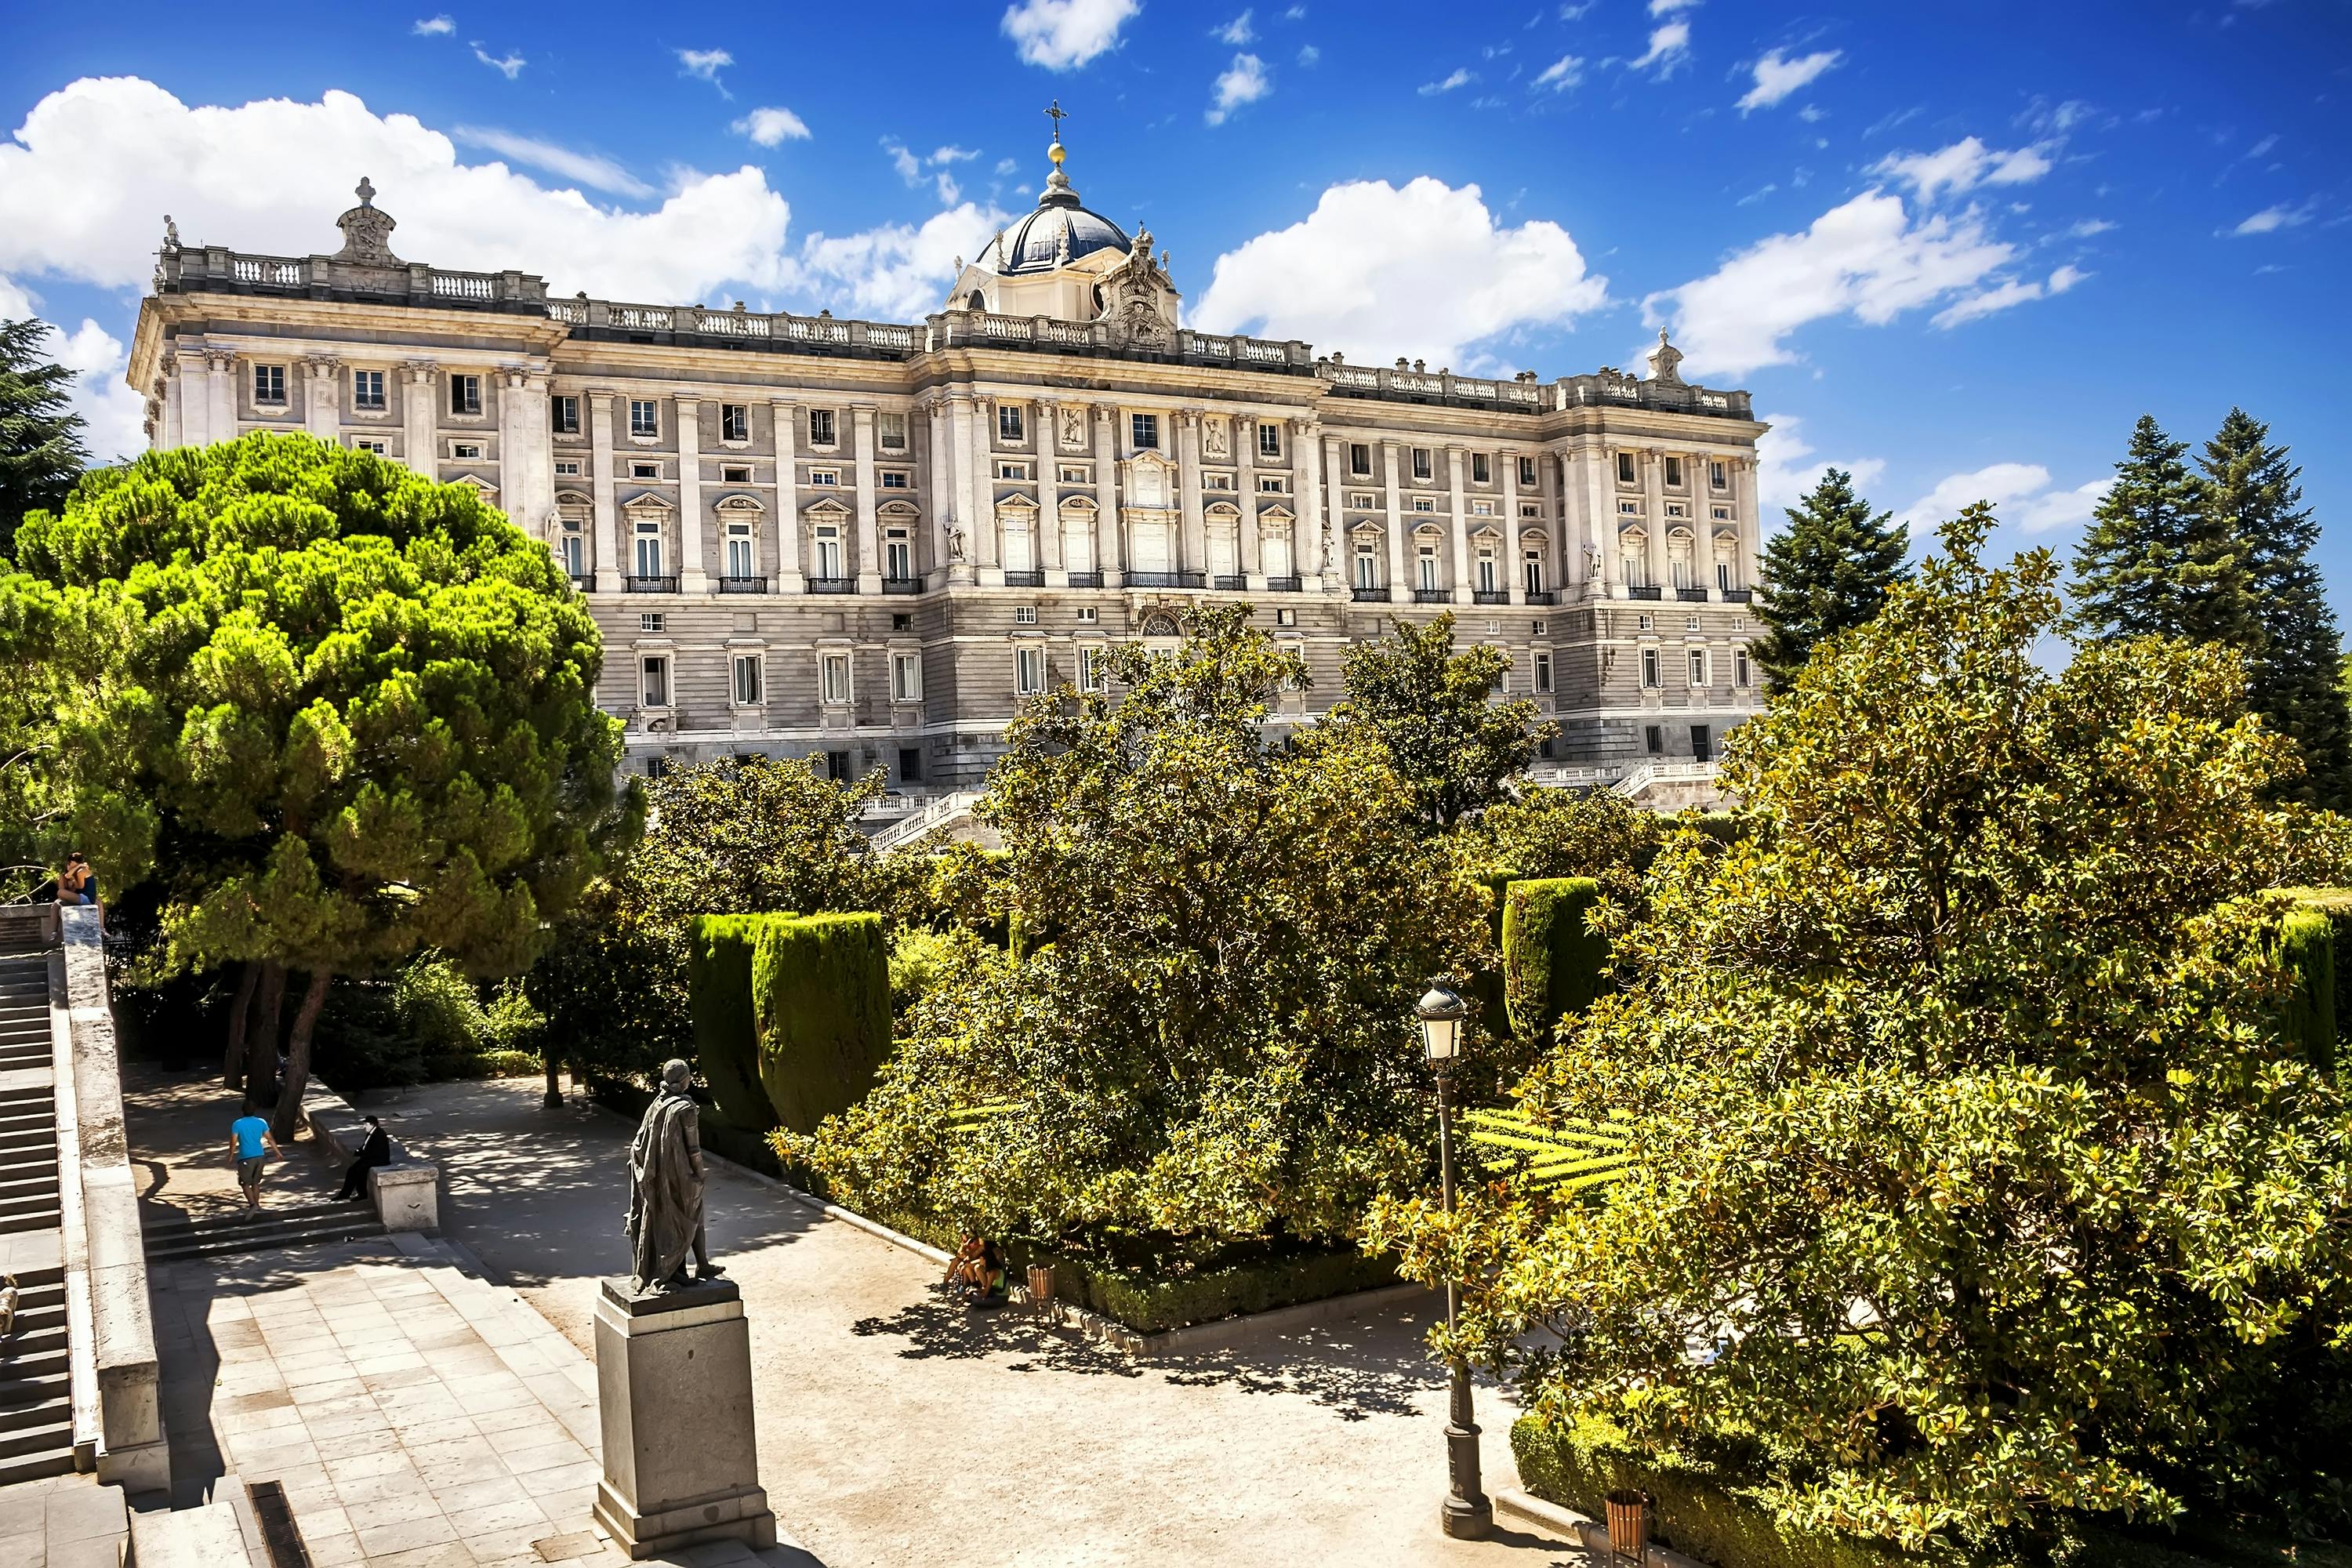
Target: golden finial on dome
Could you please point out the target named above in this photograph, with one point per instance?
(1057, 113)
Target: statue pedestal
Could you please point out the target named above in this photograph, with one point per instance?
(674, 1385)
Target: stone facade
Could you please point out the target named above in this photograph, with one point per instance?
(802, 534)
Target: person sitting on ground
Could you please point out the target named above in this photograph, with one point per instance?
(250, 1133)
(376, 1151)
(980, 1265)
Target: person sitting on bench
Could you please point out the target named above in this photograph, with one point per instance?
(376, 1151)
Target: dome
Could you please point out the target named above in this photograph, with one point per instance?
(1059, 232)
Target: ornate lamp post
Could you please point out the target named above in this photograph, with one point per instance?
(1466, 1513)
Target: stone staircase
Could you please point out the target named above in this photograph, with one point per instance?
(300, 1224)
(36, 1379)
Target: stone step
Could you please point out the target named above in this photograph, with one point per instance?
(34, 1467)
(46, 1438)
(36, 1391)
(30, 1342)
(266, 1231)
(30, 1198)
(42, 1219)
(34, 1414)
(207, 1536)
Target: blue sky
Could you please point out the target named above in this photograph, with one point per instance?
(1957, 249)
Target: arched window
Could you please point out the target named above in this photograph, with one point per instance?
(976, 300)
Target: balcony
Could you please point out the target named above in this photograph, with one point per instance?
(583, 581)
(1167, 580)
(649, 584)
(742, 584)
(1642, 591)
(1691, 595)
(1433, 596)
(1224, 584)
(1490, 596)
(1086, 579)
(1737, 596)
(1025, 579)
(832, 584)
(1284, 585)
(1542, 596)
(902, 584)
(1369, 595)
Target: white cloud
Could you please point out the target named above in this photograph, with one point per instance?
(1063, 34)
(1007, 166)
(1423, 271)
(1236, 32)
(1669, 7)
(1309, 54)
(2014, 291)
(116, 411)
(900, 272)
(1462, 76)
(434, 28)
(95, 165)
(916, 168)
(2089, 227)
(772, 126)
(1777, 77)
(596, 172)
(1669, 48)
(510, 67)
(2021, 492)
(1784, 469)
(2270, 219)
(1962, 166)
(15, 304)
(1243, 81)
(1867, 259)
(706, 64)
(954, 154)
(2065, 277)
(1563, 73)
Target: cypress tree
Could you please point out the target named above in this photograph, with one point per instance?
(2159, 561)
(2293, 676)
(41, 452)
(1827, 572)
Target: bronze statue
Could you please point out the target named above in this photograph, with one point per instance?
(666, 1189)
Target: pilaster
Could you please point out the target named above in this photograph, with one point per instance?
(1110, 555)
(1306, 445)
(1193, 554)
(1515, 568)
(1458, 501)
(869, 533)
(1250, 555)
(1653, 519)
(419, 399)
(691, 577)
(220, 396)
(322, 414)
(788, 496)
(1045, 439)
(610, 567)
(1400, 590)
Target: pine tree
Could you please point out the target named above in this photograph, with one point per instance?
(2157, 561)
(1827, 572)
(41, 452)
(2292, 678)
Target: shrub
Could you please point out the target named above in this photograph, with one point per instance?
(1551, 963)
(718, 954)
(2327, 996)
(821, 993)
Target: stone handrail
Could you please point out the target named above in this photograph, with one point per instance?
(1519, 396)
(951, 328)
(945, 809)
(214, 266)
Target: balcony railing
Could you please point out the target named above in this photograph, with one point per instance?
(1691, 595)
(902, 584)
(1542, 596)
(1086, 579)
(583, 581)
(1284, 585)
(1433, 596)
(650, 585)
(742, 584)
(1490, 596)
(1737, 596)
(1167, 579)
(832, 584)
(1643, 591)
(1025, 579)
(1362, 595)
(1227, 583)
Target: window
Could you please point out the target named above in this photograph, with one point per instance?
(734, 421)
(821, 427)
(1650, 669)
(1702, 743)
(1527, 473)
(656, 767)
(1538, 628)
(644, 418)
(748, 684)
(837, 765)
(1421, 463)
(567, 468)
(1723, 576)
(1723, 514)
(1359, 457)
(367, 389)
(1273, 484)
(465, 394)
(1742, 674)
(644, 470)
(735, 474)
(1676, 509)
(1269, 440)
(1653, 739)
(1028, 671)
(1699, 669)
(1674, 472)
(1362, 500)
(1368, 572)
(897, 555)
(1647, 622)
(465, 451)
(563, 415)
(362, 444)
(1093, 668)
(1624, 467)
(651, 623)
(1217, 482)
(1075, 474)
(1531, 569)
(828, 551)
(1143, 432)
(824, 477)
(906, 678)
(1426, 566)
(1490, 573)
(1013, 471)
(1629, 509)
(1715, 475)
(1009, 425)
(269, 384)
(1482, 509)
(1543, 671)
(743, 561)
(910, 764)
(894, 432)
(1424, 503)
(893, 478)
(901, 622)
(1529, 508)
(1024, 614)
(652, 681)
(571, 547)
(832, 678)
(648, 536)
(1087, 614)
(1480, 472)
(1286, 617)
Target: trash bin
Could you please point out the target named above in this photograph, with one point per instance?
(1041, 1287)
(1629, 1526)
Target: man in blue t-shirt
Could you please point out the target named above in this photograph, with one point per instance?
(251, 1135)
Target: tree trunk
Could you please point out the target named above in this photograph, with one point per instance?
(261, 1043)
(554, 1097)
(289, 1115)
(248, 977)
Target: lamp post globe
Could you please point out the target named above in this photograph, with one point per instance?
(1440, 1012)
(1466, 1513)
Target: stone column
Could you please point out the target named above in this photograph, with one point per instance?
(1045, 437)
(1110, 552)
(1458, 499)
(964, 487)
(322, 414)
(1745, 512)
(220, 394)
(1193, 554)
(788, 497)
(534, 431)
(1702, 511)
(1654, 519)
(610, 566)
(692, 578)
(1246, 543)
(1306, 533)
(1400, 587)
(869, 533)
(167, 430)
(936, 493)
(988, 544)
(1601, 496)
(514, 457)
(419, 401)
(1515, 571)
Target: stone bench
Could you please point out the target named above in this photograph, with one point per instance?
(406, 1193)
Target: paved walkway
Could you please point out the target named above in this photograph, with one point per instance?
(181, 1153)
(895, 1429)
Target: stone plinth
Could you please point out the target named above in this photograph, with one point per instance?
(674, 1385)
(407, 1198)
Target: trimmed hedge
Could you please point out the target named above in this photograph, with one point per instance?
(1577, 1464)
(821, 996)
(2315, 940)
(718, 953)
(1551, 965)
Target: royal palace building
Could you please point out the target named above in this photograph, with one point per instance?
(871, 540)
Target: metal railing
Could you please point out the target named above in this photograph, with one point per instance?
(831, 585)
(1285, 584)
(1691, 595)
(1542, 596)
(1433, 596)
(1167, 579)
(1378, 595)
(1025, 579)
(1227, 583)
(1086, 579)
(636, 584)
(1643, 591)
(902, 584)
(742, 584)
(1490, 596)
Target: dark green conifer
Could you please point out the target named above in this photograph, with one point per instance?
(1827, 572)
(2157, 561)
(41, 452)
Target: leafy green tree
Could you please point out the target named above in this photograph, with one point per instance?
(1551, 833)
(1217, 1042)
(2157, 561)
(1973, 1157)
(1433, 711)
(2253, 499)
(356, 715)
(1827, 572)
(41, 452)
